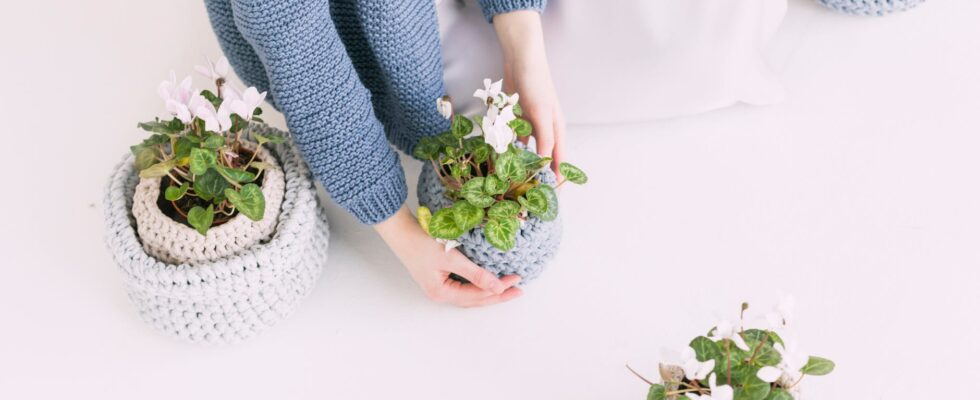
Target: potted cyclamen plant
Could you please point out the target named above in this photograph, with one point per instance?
(485, 192)
(214, 217)
(732, 362)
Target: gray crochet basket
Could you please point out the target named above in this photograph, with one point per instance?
(536, 243)
(235, 297)
(870, 7)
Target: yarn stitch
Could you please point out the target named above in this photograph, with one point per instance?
(347, 74)
(231, 298)
(535, 245)
(870, 7)
(174, 242)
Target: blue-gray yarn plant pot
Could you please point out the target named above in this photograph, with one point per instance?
(536, 243)
(229, 298)
(870, 7)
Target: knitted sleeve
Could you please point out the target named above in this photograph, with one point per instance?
(494, 7)
(240, 54)
(327, 108)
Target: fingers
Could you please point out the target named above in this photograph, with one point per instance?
(507, 295)
(477, 276)
(544, 133)
(558, 154)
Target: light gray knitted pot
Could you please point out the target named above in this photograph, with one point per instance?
(536, 243)
(870, 7)
(230, 298)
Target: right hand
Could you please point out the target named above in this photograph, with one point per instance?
(431, 265)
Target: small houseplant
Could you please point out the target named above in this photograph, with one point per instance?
(732, 362)
(486, 192)
(214, 217)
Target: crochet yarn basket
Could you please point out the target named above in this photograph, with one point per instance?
(536, 243)
(870, 7)
(174, 242)
(231, 298)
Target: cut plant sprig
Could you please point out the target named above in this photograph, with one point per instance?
(768, 367)
(200, 148)
(492, 182)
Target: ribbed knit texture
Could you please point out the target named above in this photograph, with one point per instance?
(349, 76)
(494, 7)
(870, 7)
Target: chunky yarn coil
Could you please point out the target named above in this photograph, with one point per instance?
(230, 298)
(536, 243)
(174, 242)
(870, 7)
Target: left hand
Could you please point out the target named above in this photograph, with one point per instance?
(526, 72)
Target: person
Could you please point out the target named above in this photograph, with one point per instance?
(349, 74)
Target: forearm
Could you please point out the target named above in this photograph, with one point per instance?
(327, 108)
(520, 35)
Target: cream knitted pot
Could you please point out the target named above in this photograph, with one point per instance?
(174, 242)
(229, 298)
(536, 243)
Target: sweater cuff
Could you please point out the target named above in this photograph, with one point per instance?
(494, 7)
(382, 199)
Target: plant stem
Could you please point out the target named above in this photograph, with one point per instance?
(759, 347)
(639, 376)
(679, 391)
(253, 156)
(797, 381)
(728, 351)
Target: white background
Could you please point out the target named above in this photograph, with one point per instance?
(859, 195)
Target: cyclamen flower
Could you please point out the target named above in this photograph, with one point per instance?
(782, 314)
(245, 103)
(214, 70)
(490, 92)
(496, 131)
(214, 120)
(694, 369)
(445, 106)
(769, 374)
(725, 330)
(723, 392)
(792, 360)
(176, 96)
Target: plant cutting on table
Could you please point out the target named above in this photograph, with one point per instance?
(480, 179)
(214, 218)
(732, 362)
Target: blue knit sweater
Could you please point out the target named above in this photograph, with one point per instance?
(347, 74)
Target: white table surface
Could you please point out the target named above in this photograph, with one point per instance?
(859, 195)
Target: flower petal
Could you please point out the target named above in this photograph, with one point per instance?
(769, 374)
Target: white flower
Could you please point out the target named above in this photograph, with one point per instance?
(780, 316)
(445, 106)
(725, 330)
(496, 132)
(176, 96)
(510, 100)
(214, 70)
(243, 104)
(214, 120)
(723, 392)
(490, 92)
(450, 244)
(792, 360)
(694, 369)
(769, 374)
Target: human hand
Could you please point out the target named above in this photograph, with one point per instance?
(430, 266)
(526, 72)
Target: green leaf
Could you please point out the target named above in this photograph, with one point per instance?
(174, 193)
(160, 127)
(263, 139)
(656, 392)
(446, 139)
(572, 173)
(424, 215)
(818, 366)
(159, 169)
(504, 209)
(249, 201)
(750, 387)
(482, 153)
(145, 157)
(521, 127)
(237, 175)
(426, 149)
(261, 165)
(211, 97)
(473, 192)
(779, 394)
(467, 215)
(552, 212)
(443, 225)
(202, 159)
(535, 201)
(494, 185)
(461, 126)
(214, 142)
(518, 110)
(210, 184)
(706, 349)
(201, 218)
(510, 168)
(183, 146)
(501, 233)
